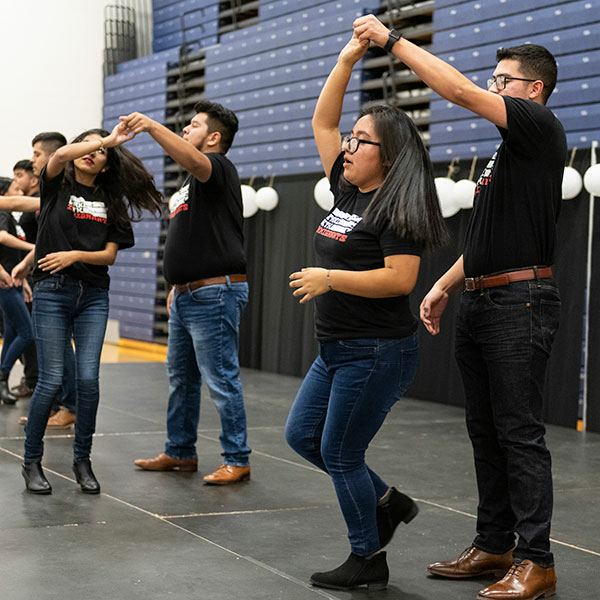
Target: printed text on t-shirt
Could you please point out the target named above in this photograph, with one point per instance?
(337, 224)
(87, 209)
(179, 201)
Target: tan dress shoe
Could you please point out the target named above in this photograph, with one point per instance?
(472, 563)
(164, 462)
(227, 474)
(525, 580)
(23, 419)
(63, 419)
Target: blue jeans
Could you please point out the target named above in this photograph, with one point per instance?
(503, 340)
(341, 404)
(18, 331)
(203, 345)
(63, 306)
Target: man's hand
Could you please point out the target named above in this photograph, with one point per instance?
(310, 282)
(170, 300)
(27, 293)
(353, 51)
(5, 279)
(138, 123)
(370, 29)
(432, 308)
(57, 261)
(119, 135)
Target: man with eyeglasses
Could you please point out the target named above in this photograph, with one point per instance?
(509, 310)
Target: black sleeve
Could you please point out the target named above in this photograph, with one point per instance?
(530, 124)
(123, 237)
(49, 187)
(217, 176)
(391, 244)
(4, 221)
(337, 171)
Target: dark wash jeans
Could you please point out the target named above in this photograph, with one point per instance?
(18, 331)
(341, 404)
(63, 306)
(503, 340)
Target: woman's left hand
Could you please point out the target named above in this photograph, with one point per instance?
(27, 293)
(119, 135)
(57, 261)
(310, 282)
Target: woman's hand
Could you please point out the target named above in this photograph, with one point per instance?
(310, 282)
(5, 279)
(27, 293)
(119, 135)
(57, 261)
(353, 51)
(370, 28)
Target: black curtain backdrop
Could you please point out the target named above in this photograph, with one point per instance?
(277, 333)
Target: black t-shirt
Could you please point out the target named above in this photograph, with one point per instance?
(345, 241)
(29, 222)
(76, 220)
(518, 196)
(9, 257)
(205, 236)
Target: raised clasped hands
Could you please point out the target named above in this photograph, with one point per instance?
(309, 282)
(353, 51)
(137, 123)
(119, 135)
(370, 29)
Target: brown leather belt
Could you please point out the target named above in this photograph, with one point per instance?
(486, 281)
(183, 288)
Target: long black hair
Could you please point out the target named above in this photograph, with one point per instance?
(407, 198)
(4, 185)
(126, 187)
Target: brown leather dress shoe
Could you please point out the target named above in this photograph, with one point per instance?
(525, 580)
(227, 474)
(472, 563)
(164, 462)
(23, 419)
(63, 419)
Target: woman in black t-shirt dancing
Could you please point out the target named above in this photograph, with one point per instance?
(91, 189)
(368, 254)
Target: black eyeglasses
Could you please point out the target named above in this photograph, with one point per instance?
(353, 143)
(500, 81)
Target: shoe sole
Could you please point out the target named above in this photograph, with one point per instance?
(498, 574)
(240, 480)
(374, 586)
(188, 469)
(59, 427)
(545, 594)
(38, 492)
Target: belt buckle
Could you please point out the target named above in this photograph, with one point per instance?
(472, 283)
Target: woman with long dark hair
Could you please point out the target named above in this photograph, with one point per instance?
(18, 331)
(91, 190)
(368, 252)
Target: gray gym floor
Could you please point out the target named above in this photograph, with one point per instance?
(168, 536)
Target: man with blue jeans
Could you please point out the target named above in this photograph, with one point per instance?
(509, 310)
(204, 261)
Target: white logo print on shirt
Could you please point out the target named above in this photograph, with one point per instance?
(179, 201)
(86, 209)
(337, 224)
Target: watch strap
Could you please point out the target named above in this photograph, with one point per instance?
(394, 36)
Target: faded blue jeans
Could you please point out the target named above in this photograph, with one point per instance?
(503, 340)
(61, 306)
(18, 331)
(341, 404)
(203, 345)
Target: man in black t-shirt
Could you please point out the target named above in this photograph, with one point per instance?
(204, 262)
(509, 311)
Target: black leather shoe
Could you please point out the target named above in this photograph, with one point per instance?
(396, 508)
(5, 396)
(357, 570)
(85, 477)
(35, 480)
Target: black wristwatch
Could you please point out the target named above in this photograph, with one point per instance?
(392, 39)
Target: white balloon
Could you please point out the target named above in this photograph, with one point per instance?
(463, 192)
(571, 183)
(591, 180)
(250, 207)
(323, 195)
(445, 189)
(267, 198)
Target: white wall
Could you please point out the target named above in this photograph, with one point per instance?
(52, 56)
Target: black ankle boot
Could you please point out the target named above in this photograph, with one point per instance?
(5, 396)
(35, 480)
(357, 570)
(396, 508)
(85, 477)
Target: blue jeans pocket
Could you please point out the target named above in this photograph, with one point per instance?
(208, 295)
